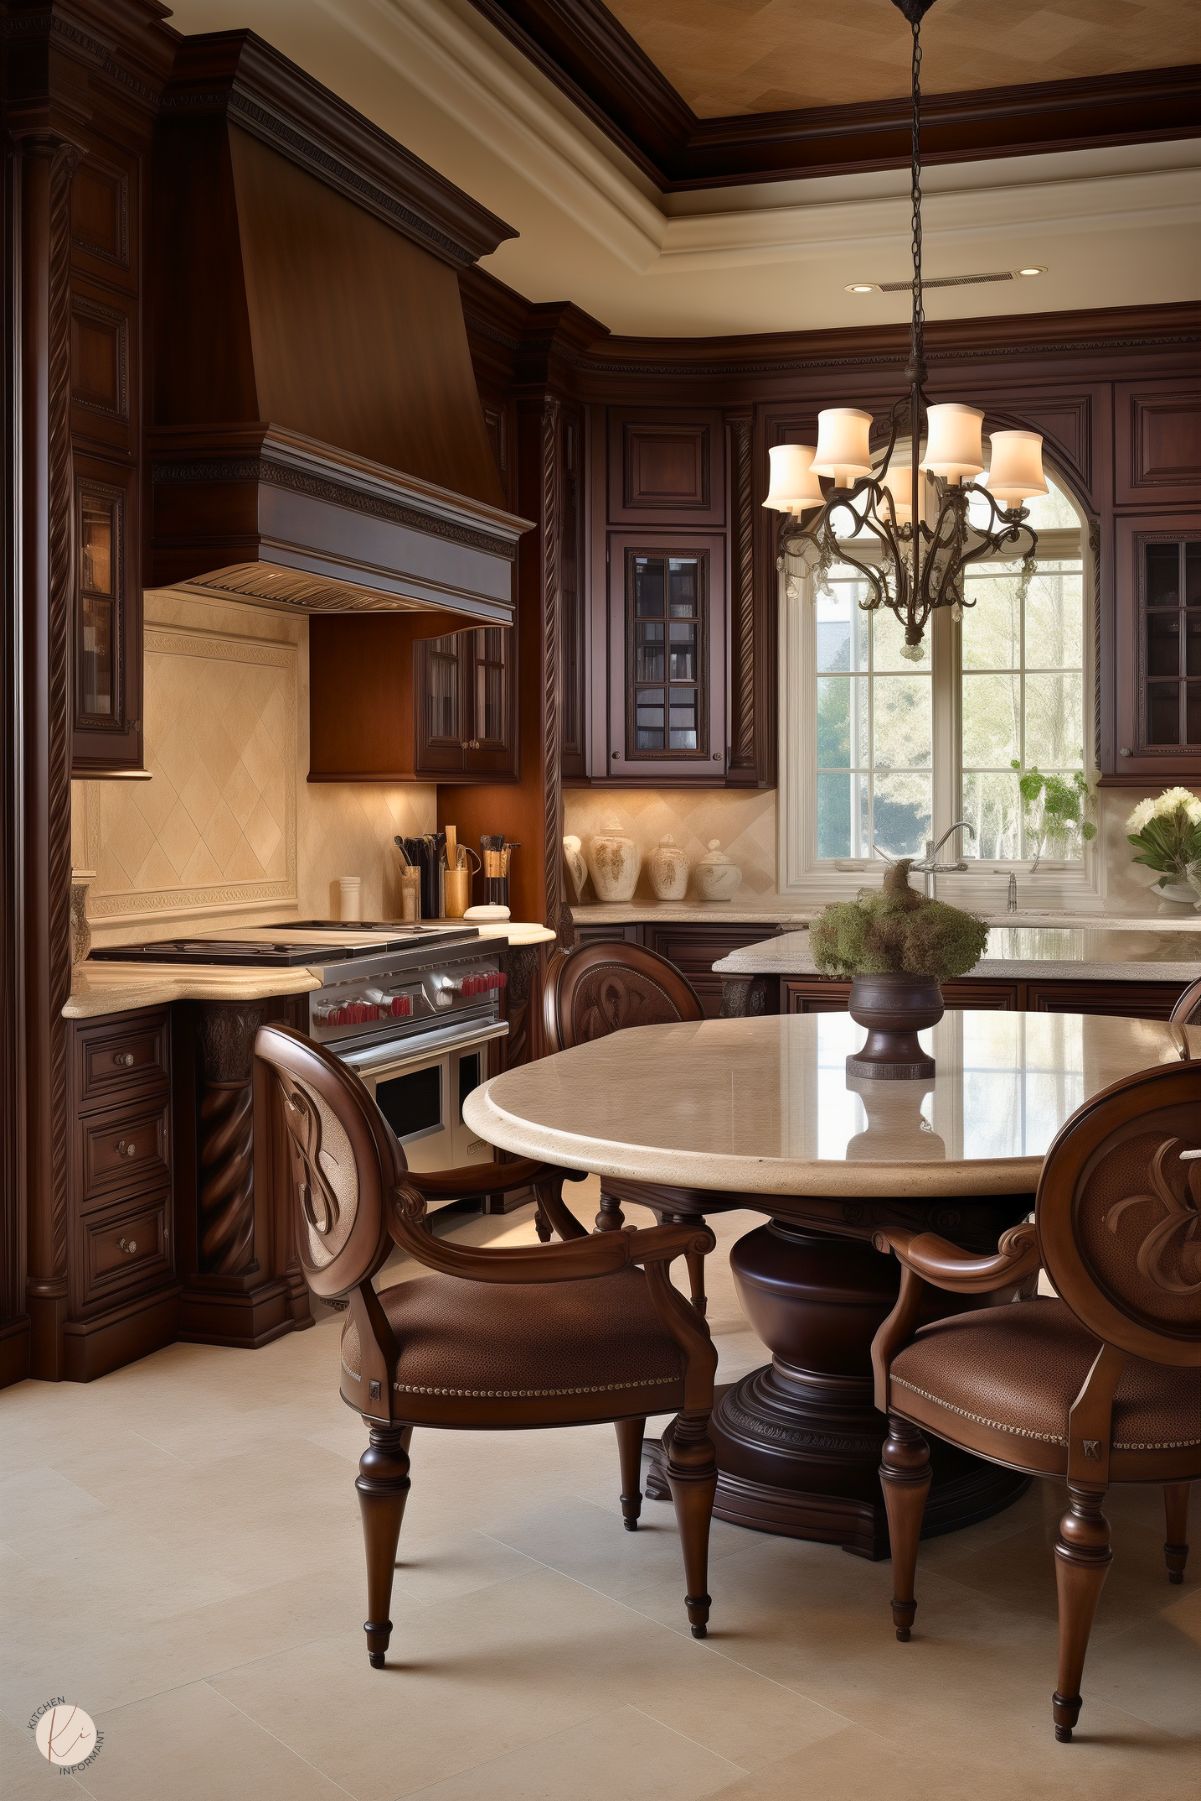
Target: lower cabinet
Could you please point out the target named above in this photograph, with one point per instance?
(1132, 1000)
(693, 948)
(122, 1295)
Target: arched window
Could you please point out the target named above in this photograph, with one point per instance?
(884, 754)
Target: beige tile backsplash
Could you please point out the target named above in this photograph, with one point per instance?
(227, 831)
(745, 824)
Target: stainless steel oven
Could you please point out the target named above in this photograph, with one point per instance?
(420, 1083)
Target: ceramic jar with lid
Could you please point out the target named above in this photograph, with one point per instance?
(715, 877)
(573, 858)
(614, 862)
(668, 867)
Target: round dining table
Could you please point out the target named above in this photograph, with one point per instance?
(760, 1113)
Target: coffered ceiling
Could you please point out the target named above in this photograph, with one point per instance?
(752, 56)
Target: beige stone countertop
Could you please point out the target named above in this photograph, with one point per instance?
(787, 910)
(114, 987)
(765, 1106)
(99, 988)
(1049, 952)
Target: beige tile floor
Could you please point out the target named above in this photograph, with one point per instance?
(180, 1554)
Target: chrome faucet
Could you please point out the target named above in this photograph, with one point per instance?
(929, 865)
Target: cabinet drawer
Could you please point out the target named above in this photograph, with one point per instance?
(121, 1057)
(125, 1247)
(125, 1150)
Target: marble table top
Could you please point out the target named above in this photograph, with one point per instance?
(1049, 952)
(765, 1106)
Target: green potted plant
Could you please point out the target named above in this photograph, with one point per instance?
(897, 947)
(1166, 834)
(1056, 809)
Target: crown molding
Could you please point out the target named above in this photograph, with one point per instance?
(585, 51)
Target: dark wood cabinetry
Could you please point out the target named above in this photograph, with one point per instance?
(1131, 1000)
(122, 1296)
(693, 948)
(465, 706)
(667, 650)
(1158, 665)
(105, 357)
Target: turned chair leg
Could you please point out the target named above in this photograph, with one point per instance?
(905, 1478)
(542, 1225)
(1082, 1560)
(383, 1485)
(1175, 1509)
(630, 1434)
(691, 1472)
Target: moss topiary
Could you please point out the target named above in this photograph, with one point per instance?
(896, 931)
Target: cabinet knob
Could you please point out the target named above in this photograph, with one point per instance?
(126, 1147)
(1125, 751)
(123, 1059)
(128, 1245)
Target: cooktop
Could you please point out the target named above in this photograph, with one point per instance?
(291, 943)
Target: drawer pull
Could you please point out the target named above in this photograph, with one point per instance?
(123, 1059)
(126, 1147)
(128, 1245)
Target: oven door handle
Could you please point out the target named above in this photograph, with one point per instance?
(380, 1062)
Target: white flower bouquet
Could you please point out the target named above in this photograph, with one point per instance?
(1166, 834)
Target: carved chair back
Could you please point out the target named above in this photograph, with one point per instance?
(345, 1162)
(602, 988)
(1187, 1011)
(1118, 1214)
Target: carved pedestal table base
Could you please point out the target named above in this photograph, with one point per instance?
(798, 1441)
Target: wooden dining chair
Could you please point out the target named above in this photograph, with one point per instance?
(587, 1331)
(1187, 1011)
(596, 989)
(1100, 1384)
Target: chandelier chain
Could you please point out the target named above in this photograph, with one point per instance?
(919, 311)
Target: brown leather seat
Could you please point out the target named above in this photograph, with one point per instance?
(1014, 1371)
(465, 1345)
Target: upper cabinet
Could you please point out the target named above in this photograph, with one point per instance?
(466, 706)
(1158, 696)
(1151, 631)
(660, 633)
(105, 364)
(666, 657)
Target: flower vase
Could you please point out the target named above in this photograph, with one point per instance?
(894, 1008)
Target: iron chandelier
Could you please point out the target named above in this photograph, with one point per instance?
(907, 530)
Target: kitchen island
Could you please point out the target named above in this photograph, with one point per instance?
(1040, 969)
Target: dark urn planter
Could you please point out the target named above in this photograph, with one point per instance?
(894, 1008)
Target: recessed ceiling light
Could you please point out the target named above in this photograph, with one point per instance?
(861, 287)
(1034, 269)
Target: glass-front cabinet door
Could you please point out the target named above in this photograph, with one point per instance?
(466, 716)
(107, 659)
(1159, 650)
(666, 658)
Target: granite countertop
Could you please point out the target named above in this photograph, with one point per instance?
(765, 1106)
(113, 987)
(787, 910)
(1106, 955)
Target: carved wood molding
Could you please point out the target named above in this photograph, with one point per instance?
(552, 605)
(225, 1142)
(742, 596)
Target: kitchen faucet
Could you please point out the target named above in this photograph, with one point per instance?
(930, 867)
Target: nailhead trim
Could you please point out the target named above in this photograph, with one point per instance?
(1047, 1438)
(514, 1394)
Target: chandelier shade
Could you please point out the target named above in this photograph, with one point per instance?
(843, 444)
(956, 441)
(793, 488)
(1015, 472)
(912, 528)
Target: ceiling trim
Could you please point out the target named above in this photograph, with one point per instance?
(590, 57)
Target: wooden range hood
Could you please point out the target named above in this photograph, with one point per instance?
(315, 433)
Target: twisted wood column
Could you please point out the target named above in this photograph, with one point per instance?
(225, 1196)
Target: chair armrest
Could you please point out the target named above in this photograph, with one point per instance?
(476, 1179)
(659, 1244)
(575, 1260)
(945, 1265)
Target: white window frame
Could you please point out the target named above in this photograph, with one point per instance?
(1055, 887)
